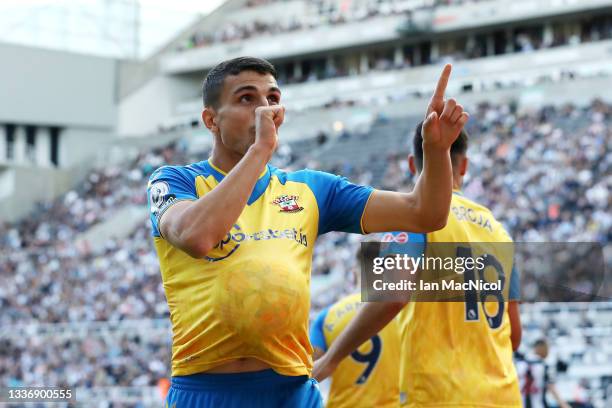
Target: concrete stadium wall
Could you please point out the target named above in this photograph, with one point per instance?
(144, 110)
(79, 144)
(42, 88)
(120, 225)
(23, 187)
(39, 86)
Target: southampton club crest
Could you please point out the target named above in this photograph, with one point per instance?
(288, 203)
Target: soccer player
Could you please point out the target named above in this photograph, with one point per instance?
(453, 353)
(235, 236)
(536, 379)
(369, 377)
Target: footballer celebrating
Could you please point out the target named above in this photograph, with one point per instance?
(453, 353)
(235, 237)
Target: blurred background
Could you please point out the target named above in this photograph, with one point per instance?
(96, 94)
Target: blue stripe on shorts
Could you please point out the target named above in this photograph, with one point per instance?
(238, 390)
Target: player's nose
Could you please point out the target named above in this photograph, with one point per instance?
(263, 101)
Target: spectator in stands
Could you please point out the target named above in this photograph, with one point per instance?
(536, 378)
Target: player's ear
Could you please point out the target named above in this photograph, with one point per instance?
(412, 165)
(463, 166)
(209, 119)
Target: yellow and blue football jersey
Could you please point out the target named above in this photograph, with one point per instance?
(250, 296)
(369, 377)
(460, 353)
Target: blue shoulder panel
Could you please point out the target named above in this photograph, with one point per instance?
(167, 186)
(341, 203)
(317, 337)
(515, 284)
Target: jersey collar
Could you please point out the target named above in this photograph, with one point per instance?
(458, 192)
(260, 186)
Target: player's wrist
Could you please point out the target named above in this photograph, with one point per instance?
(262, 150)
(433, 149)
(332, 359)
(433, 155)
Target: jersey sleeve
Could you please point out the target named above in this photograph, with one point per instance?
(341, 203)
(167, 186)
(317, 337)
(515, 284)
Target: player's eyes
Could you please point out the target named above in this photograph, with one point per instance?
(249, 98)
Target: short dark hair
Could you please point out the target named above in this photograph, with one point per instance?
(213, 83)
(458, 147)
(540, 342)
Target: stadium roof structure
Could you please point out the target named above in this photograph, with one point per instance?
(123, 29)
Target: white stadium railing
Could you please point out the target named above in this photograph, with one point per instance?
(150, 327)
(101, 396)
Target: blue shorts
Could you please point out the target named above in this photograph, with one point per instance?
(255, 389)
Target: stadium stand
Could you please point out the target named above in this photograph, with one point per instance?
(109, 310)
(81, 295)
(522, 39)
(320, 13)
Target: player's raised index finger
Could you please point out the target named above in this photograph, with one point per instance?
(442, 82)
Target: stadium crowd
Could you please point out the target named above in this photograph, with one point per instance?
(521, 40)
(121, 359)
(322, 13)
(546, 174)
(50, 277)
(460, 49)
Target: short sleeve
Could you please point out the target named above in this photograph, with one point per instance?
(409, 243)
(341, 203)
(515, 285)
(167, 186)
(317, 337)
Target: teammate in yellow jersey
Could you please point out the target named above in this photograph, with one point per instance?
(235, 237)
(453, 354)
(369, 377)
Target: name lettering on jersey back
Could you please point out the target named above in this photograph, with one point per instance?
(340, 312)
(468, 214)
